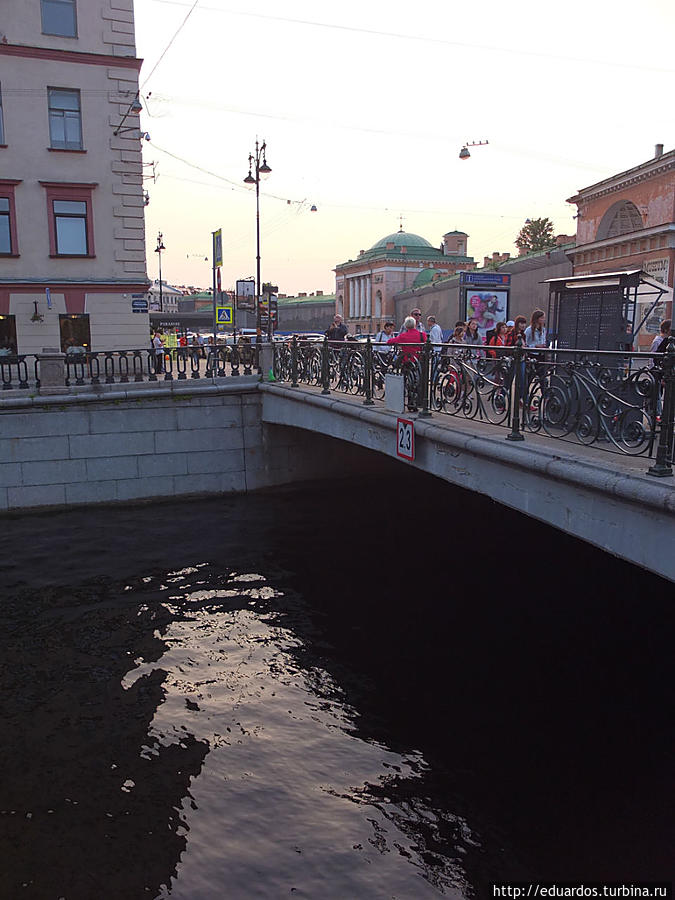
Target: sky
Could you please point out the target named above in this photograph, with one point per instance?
(364, 107)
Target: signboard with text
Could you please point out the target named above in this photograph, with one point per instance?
(217, 248)
(405, 439)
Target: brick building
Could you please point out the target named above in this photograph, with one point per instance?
(365, 286)
(628, 222)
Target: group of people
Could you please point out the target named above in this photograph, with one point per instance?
(413, 331)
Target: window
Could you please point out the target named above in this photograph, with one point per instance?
(8, 238)
(65, 121)
(5, 226)
(59, 17)
(69, 210)
(70, 224)
(2, 122)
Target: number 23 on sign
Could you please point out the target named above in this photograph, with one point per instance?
(405, 439)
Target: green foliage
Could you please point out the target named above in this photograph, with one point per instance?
(536, 234)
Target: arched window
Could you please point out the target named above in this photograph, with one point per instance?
(378, 304)
(621, 218)
(340, 306)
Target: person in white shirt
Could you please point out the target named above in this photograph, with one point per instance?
(382, 337)
(435, 333)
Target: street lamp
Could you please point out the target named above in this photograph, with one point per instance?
(158, 249)
(464, 152)
(257, 163)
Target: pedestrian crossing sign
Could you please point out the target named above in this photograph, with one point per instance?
(224, 315)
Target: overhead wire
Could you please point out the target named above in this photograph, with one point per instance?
(427, 39)
(168, 46)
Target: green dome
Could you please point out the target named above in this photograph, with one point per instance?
(401, 239)
(426, 276)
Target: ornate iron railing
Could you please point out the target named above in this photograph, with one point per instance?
(613, 401)
(22, 372)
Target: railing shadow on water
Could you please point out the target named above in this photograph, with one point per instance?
(617, 401)
(107, 367)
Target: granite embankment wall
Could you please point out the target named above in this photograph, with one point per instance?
(155, 442)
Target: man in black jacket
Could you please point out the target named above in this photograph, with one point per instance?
(337, 331)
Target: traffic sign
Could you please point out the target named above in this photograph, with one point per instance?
(224, 315)
(405, 439)
(217, 248)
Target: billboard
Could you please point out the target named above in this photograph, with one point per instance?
(246, 294)
(487, 306)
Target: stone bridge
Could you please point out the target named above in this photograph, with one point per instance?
(119, 443)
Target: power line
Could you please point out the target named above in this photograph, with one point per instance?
(430, 40)
(166, 49)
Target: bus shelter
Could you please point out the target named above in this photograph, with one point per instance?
(605, 311)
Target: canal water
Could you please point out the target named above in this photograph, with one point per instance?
(389, 689)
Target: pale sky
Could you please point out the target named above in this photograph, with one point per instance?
(365, 107)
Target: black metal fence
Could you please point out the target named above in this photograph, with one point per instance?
(621, 402)
(22, 372)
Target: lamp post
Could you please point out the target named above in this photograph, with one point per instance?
(158, 250)
(257, 164)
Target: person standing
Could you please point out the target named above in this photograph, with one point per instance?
(417, 316)
(411, 338)
(473, 337)
(383, 336)
(337, 331)
(535, 333)
(158, 347)
(518, 330)
(435, 333)
(498, 339)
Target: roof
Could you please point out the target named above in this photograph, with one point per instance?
(449, 233)
(416, 247)
(307, 301)
(426, 276)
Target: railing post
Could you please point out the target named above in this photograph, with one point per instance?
(516, 393)
(325, 367)
(294, 361)
(423, 398)
(663, 468)
(369, 374)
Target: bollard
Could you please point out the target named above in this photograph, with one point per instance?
(294, 361)
(325, 366)
(423, 390)
(663, 467)
(516, 393)
(368, 373)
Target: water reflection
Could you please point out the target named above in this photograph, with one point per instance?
(237, 710)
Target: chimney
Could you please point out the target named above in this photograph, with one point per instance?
(658, 151)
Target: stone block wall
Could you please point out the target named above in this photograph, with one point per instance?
(152, 444)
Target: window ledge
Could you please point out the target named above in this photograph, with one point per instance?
(10, 255)
(3, 146)
(64, 150)
(72, 256)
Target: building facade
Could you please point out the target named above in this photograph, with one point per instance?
(628, 222)
(365, 287)
(72, 240)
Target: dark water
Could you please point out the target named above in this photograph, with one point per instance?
(327, 694)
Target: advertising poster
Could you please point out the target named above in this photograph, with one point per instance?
(488, 306)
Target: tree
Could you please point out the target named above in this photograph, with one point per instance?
(536, 234)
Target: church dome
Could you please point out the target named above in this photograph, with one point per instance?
(402, 239)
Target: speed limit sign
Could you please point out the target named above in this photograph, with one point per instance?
(405, 439)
